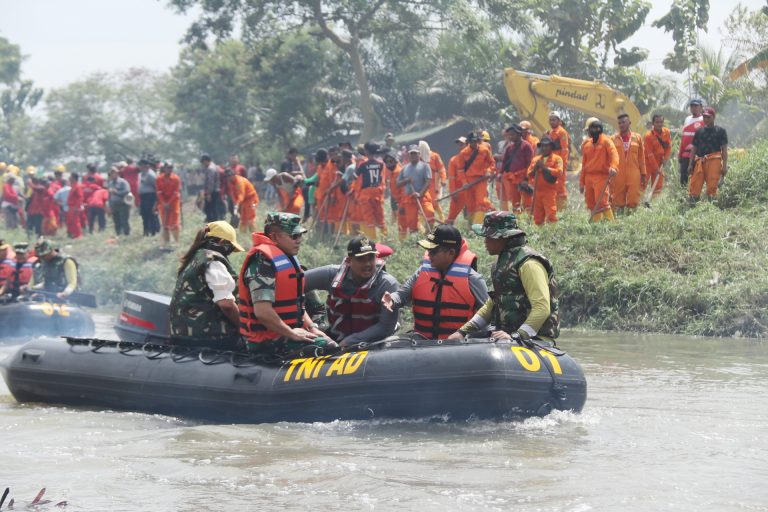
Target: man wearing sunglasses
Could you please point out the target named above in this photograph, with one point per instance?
(271, 289)
(446, 291)
(355, 290)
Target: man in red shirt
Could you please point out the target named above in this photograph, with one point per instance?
(75, 201)
(514, 168)
(130, 173)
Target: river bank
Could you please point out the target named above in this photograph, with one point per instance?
(672, 268)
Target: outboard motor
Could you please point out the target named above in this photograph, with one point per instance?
(144, 317)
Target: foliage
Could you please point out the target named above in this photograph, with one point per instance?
(17, 97)
(684, 18)
(108, 117)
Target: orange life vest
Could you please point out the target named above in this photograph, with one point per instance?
(289, 292)
(443, 303)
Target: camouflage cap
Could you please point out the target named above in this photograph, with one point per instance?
(288, 222)
(498, 225)
(44, 247)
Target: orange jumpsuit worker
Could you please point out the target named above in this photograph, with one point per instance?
(75, 201)
(599, 161)
(288, 190)
(476, 162)
(526, 191)
(562, 142)
(370, 175)
(544, 172)
(328, 194)
(709, 162)
(439, 175)
(169, 202)
(245, 198)
(658, 149)
(628, 185)
(394, 169)
(456, 180)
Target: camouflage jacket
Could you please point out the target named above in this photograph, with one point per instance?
(194, 315)
(510, 303)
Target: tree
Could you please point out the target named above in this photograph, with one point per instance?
(684, 18)
(17, 97)
(347, 24)
(108, 117)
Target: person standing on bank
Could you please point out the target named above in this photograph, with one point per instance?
(203, 310)
(148, 198)
(355, 290)
(524, 303)
(446, 291)
(119, 190)
(709, 161)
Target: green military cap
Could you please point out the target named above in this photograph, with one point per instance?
(44, 247)
(498, 225)
(288, 222)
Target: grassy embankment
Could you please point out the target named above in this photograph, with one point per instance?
(672, 268)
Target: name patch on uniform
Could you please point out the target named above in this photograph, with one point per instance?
(324, 367)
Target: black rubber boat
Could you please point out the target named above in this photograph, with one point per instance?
(28, 319)
(394, 378)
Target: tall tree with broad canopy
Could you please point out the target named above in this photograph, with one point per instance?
(17, 97)
(345, 23)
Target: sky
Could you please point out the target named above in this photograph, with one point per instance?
(66, 40)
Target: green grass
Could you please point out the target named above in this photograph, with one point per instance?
(673, 268)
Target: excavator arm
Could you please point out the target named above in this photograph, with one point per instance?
(531, 95)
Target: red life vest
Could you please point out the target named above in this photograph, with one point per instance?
(350, 314)
(442, 304)
(7, 267)
(289, 292)
(686, 138)
(21, 275)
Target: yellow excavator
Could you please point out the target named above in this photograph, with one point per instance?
(531, 94)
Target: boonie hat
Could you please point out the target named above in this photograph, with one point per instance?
(19, 247)
(43, 247)
(498, 225)
(224, 230)
(288, 222)
(360, 246)
(442, 235)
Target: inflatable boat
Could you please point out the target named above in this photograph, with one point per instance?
(28, 319)
(392, 378)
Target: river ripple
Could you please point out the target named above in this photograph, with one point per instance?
(671, 423)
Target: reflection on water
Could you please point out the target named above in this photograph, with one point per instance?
(671, 423)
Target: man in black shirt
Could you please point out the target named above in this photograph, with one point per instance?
(710, 157)
(371, 194)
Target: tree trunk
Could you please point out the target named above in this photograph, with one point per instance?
(366, 103)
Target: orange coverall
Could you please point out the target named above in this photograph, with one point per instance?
(169, 200)
(245, 198)
(330, 204)
(560, 135)
(658, 148)
(707, 169)
(456, 180)
(477, 197)
(626, 186)
(439, 177)
(545, 193)
(397, 194)
(596, 160)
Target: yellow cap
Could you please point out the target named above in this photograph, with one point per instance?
(60, 168)
(31, 169)
(589, 122)
(3, 165)
(486, 136)
(224, 230)
(13, 169)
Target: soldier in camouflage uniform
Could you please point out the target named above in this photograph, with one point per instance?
(524, 302)
(273, 316)
(203, 309)
(55, 272)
